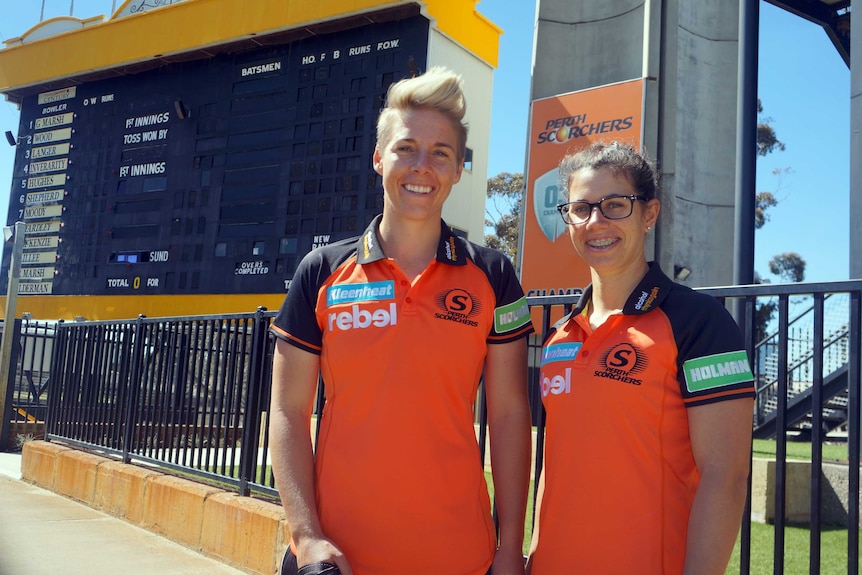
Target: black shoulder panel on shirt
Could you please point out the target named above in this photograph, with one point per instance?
(493, 262)
(700, 321)
(296, 314)
(326, 259)
(497, 267)
(702, 327)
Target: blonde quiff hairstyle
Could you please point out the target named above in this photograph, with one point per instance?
(438, 89)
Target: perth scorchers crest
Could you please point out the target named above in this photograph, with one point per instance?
(458, 305)
(621, 363)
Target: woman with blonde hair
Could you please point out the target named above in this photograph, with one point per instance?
(401, 322)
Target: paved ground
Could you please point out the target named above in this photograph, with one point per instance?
(42, 533)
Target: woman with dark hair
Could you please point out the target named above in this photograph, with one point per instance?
(648, 392)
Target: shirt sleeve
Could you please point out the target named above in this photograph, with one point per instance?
(296, 322)
(712, 364)
(511, 313)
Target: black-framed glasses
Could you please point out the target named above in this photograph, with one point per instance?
(611, 207)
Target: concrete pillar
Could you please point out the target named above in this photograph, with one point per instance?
(688, 50)
(856, 143)
(704, 140)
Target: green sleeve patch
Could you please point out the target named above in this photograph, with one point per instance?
(511, 317)
(716, 371)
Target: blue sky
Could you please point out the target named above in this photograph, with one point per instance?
(803, 83)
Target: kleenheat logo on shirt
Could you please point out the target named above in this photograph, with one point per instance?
(459, 306)
(365, 316)
(352, 293)
(561, 352)
(621, 362)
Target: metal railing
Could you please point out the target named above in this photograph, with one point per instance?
(801, 342)
(28, 378)
(190, 394)
(813, 400)
(185, 393)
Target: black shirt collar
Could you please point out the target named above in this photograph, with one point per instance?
(649, 293)
(652, 290)
(450, 250)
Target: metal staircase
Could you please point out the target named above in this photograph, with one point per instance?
(799, 373)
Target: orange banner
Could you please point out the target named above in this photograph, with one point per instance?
(560, 125)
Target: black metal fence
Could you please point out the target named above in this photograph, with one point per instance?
(190, 394)
(185, 393)
(27, 381)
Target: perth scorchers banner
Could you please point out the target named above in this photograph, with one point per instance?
(560, 125)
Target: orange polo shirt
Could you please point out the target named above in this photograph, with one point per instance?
(398, 478)
(620, 476)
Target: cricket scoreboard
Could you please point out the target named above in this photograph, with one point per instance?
(210, 175)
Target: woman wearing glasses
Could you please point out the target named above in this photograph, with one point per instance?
(648, 392)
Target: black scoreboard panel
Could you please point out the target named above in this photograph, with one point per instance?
(207, 176)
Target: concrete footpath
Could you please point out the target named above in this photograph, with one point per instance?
(42, 533)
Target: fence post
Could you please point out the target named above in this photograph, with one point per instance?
(253, 403)
(7, 347)
(749, 306)
(134, 386)
(854, 378)
(55, 383)
(9, 380)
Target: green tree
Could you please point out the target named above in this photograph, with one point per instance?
(505, 195)
(767, 141)
(762, 202)
(763, 312)
(789, 266)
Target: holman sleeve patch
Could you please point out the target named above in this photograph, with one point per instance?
(511, 317)
(716, 371)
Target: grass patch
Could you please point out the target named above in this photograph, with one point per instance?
(833, 544)
(833, 541)
(833, 551)
(766, 448)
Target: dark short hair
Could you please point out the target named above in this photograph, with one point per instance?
(621, 159)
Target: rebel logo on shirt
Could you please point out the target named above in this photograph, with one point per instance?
(621, 362)
(559, 384)
(458, 306)
(361, 318)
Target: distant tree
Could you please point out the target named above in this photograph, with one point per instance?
(763, 314)
(767, 141)
(762, 202)
(789, 266)
(505, 195)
